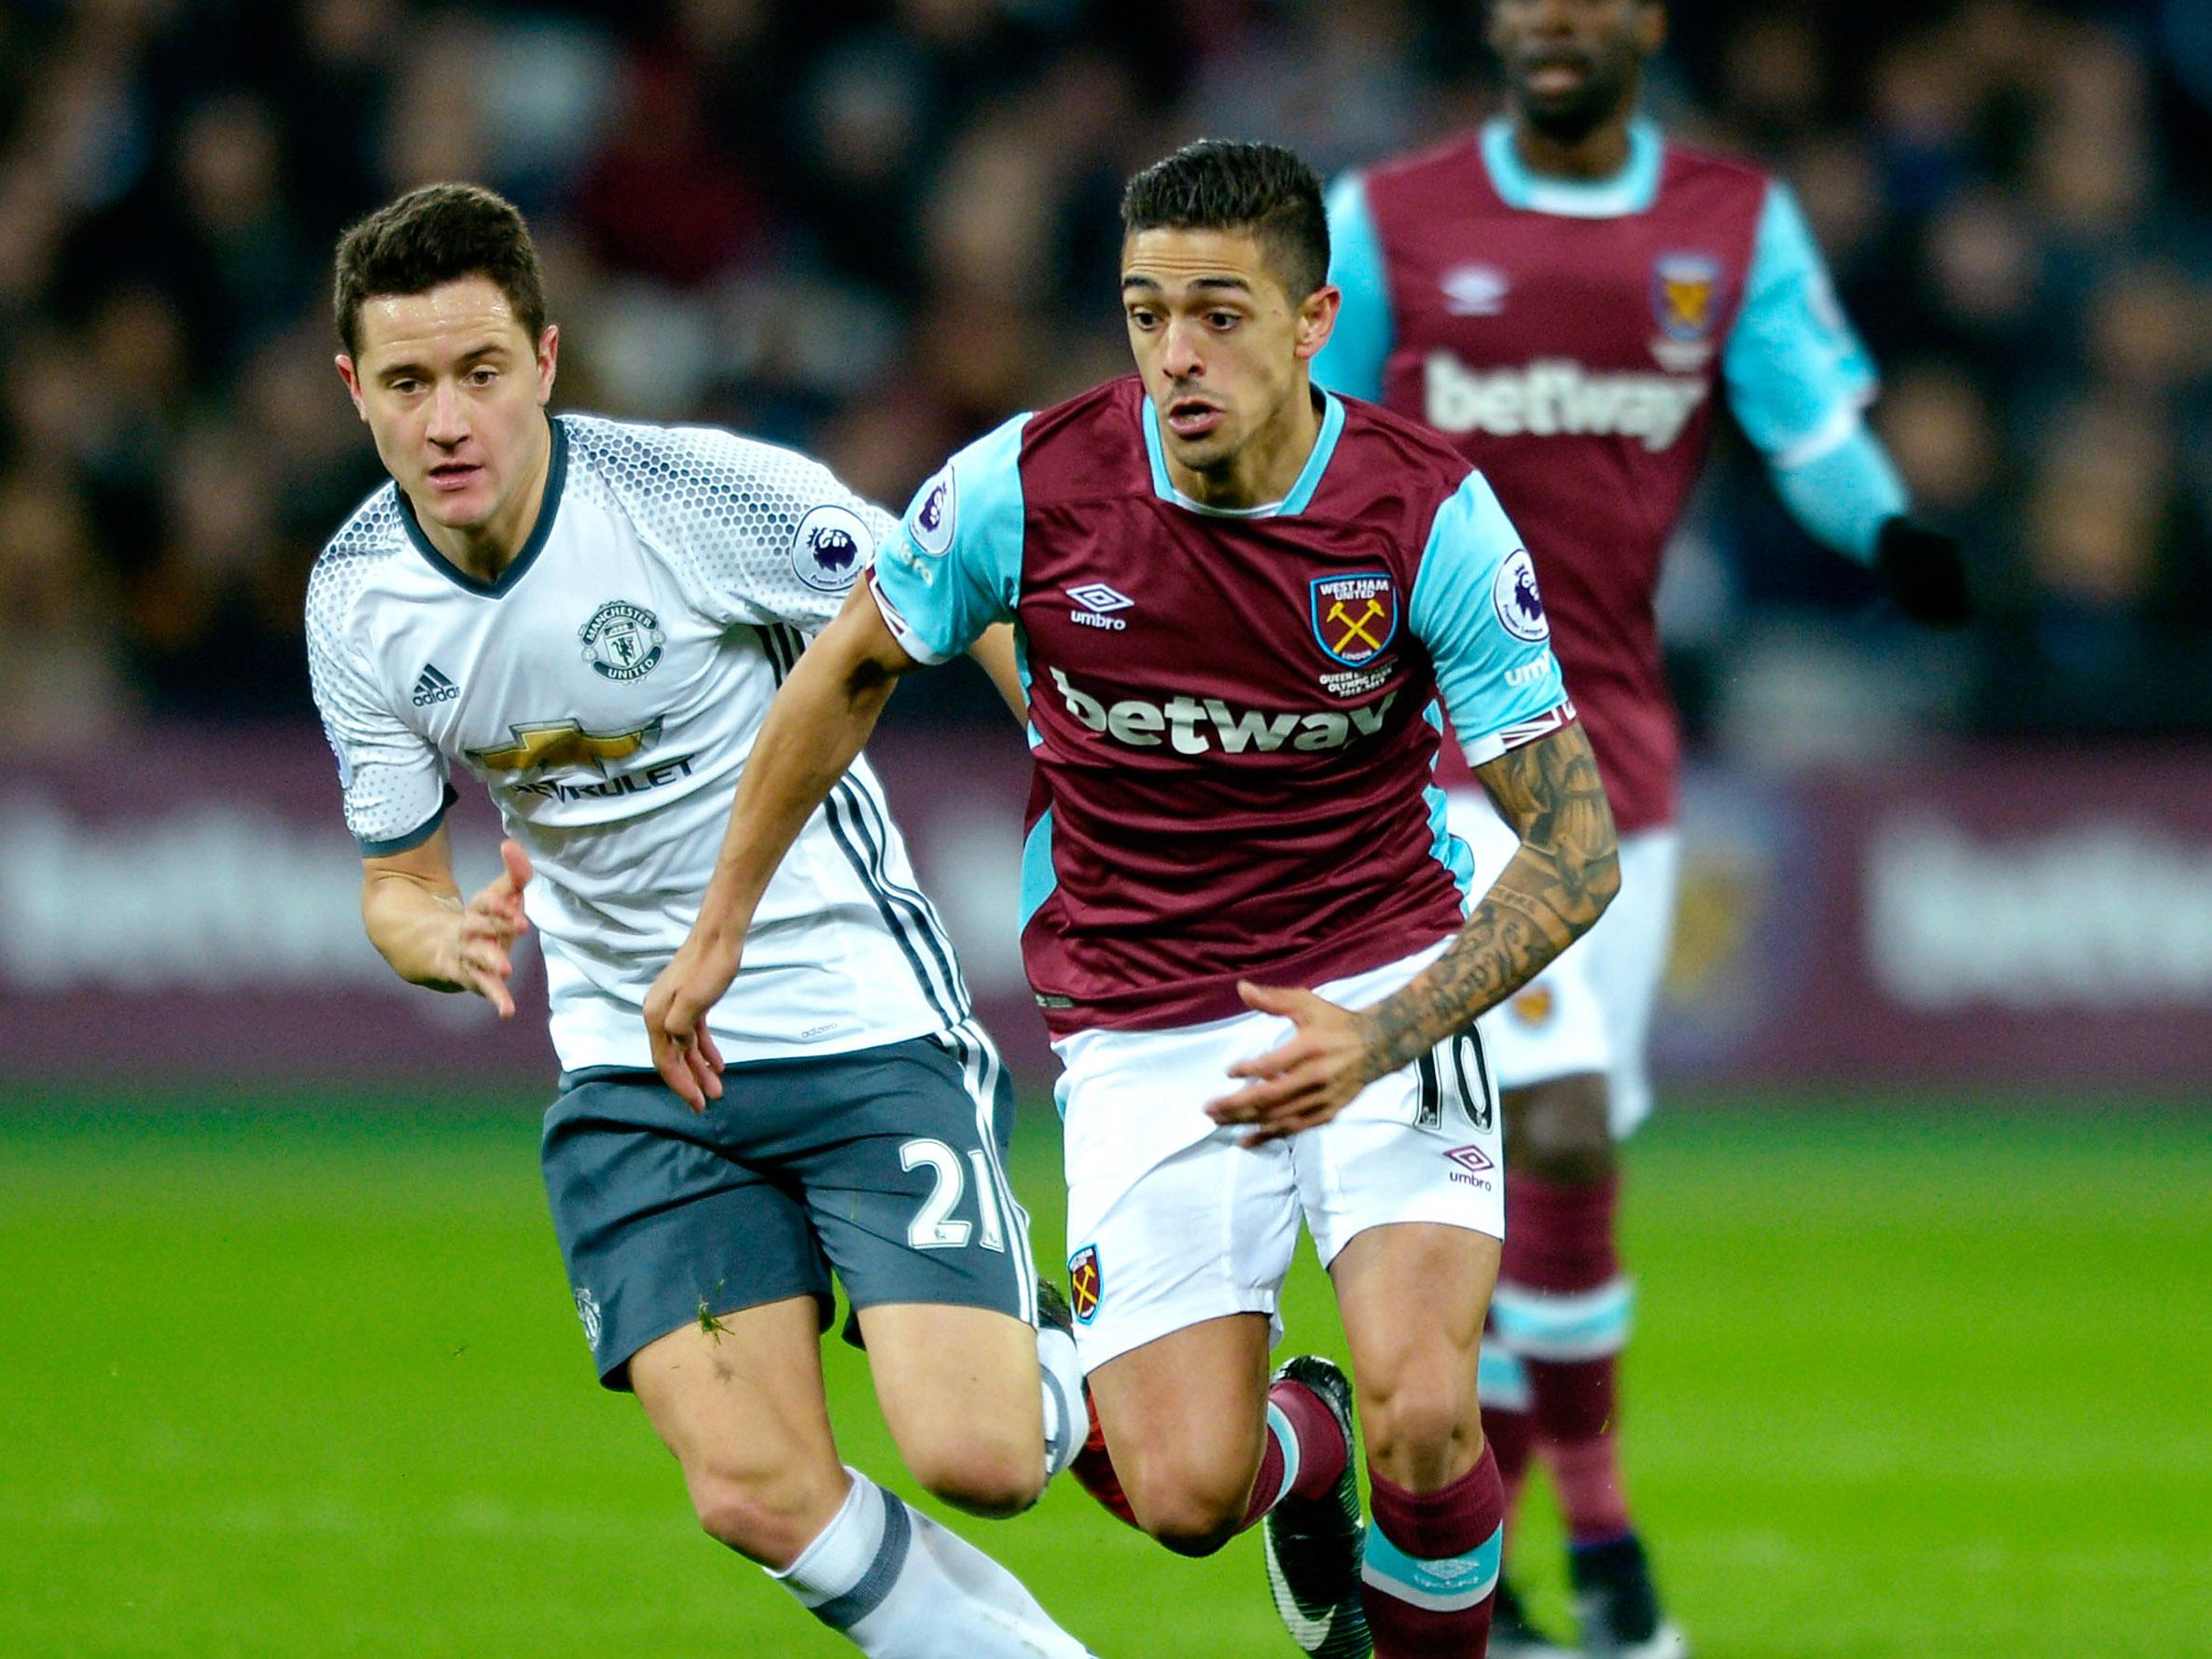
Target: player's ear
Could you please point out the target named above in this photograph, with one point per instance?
(548, 352)
(352, 377)
(1650, 26)
(1317, 318)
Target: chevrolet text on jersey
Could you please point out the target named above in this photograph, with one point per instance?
(1185, 722)
(1555, 396)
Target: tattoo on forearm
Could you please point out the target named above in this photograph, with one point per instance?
(1556, 885)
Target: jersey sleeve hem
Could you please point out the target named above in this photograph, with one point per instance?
(910, 641)
(414, 838)
(1521, 731)
(1841, 424)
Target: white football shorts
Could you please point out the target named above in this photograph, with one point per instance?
(1591, 1010)
(1172, 1222)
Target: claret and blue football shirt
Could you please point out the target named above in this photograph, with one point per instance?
(1233, 713)
(1573, 339)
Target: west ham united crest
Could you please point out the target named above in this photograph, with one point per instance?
(1355, 617)
(1682, 290)
(1535, 1006)
(1686, 303)
(1086, 1285)
(622, 641)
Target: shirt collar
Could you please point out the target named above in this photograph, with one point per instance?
(1301, 493)
(1631, 190)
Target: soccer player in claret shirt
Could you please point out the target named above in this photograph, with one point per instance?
(1567, 297)
(1240, 603)
(591, 617)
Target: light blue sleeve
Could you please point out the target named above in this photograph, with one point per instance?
(1799, 381)
(953, 566)
(1843, 498)
(1797, 374)
(1476, 607)
(1352, 361)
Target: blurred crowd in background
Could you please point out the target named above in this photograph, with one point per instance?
(875, 227)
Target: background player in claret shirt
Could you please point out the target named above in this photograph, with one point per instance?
(591, 616)
(1240, 603)
(1568, 296)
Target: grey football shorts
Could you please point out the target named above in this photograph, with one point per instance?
(886, 1166)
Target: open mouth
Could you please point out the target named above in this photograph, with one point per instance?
(1192, 417)
(1554, 73)
(453, 474)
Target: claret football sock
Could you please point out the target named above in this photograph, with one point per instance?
(900, 1586)
(1094, 1470)
(1563, 1305)
(1431, 1565)
(1304, 1453)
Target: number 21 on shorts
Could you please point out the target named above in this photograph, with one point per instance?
(933, 1227)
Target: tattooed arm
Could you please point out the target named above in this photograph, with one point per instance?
(1560, 881)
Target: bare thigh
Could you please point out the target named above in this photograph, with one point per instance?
(739, 1402)
(960, 1389)
(1185, 1417)
(1413, 1296)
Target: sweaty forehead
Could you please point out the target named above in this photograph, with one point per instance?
(1176, 258)
(452, 318)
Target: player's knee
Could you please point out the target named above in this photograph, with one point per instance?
(1189, 1509)
(1560, 1131)
(1421, 1422)
(771, 1522)
(1190, 1522)
(993, 1479)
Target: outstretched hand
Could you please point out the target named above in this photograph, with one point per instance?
(1303, 1082)
(490, 924)
(684, 1052)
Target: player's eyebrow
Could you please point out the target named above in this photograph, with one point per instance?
(491, 348)
(1235, 284)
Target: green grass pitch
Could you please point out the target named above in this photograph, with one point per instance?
(301, 1378)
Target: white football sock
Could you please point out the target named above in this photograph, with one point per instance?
(900, 1586)
(1067, 1425)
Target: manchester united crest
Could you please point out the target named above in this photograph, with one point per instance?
(622, 641)
(1086, 1284)
(1355, 617)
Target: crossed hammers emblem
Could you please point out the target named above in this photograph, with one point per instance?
(1355, 627)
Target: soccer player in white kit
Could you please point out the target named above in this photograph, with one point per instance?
(591, 617)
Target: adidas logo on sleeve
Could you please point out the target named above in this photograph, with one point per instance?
(433, 687)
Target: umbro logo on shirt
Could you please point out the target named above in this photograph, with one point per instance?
(1099, 602)
(433, 687)
(1474, 291)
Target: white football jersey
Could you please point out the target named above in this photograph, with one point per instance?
(606, 689)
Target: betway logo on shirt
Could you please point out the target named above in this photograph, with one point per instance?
(1200, 725)
(1556, 396)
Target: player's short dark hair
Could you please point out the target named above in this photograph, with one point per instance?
(438, 234)
(1217, 184)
